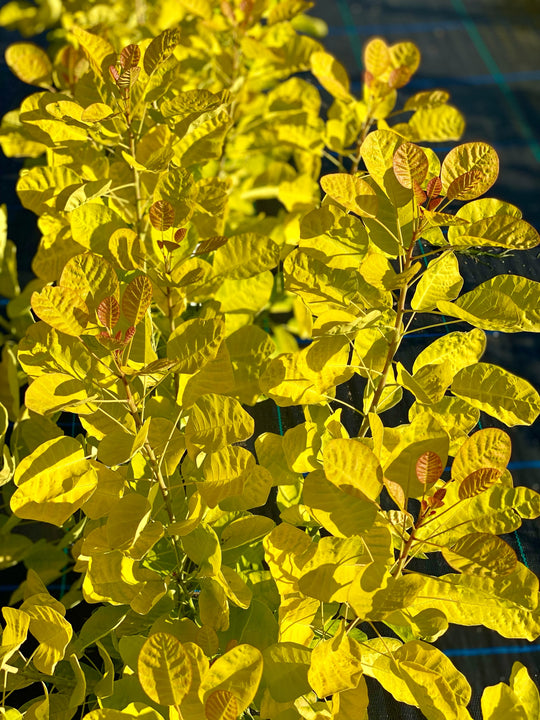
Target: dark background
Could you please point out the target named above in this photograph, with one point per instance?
(486, 53)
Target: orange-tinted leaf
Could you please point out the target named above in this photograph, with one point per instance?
(462, 186)
(478, 481)
(419, 195)
(212, 243)
(130, 56)
(429, 467)
(161, 215)
(399, 77)
(136, 299)
(221, 705)
(108, 312)
(410, 163)
(434, 187)
(180, 234)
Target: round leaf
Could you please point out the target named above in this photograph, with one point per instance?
(221, 705)
(410, 164)
(30, 64)
(466, 159)
(429, 467)
(352, 192)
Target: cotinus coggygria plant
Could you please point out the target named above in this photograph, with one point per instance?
(215, 239)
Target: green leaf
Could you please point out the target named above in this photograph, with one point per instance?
(466, 158)
(501, 394)
(354, 193)
(164, 669)
(440, 281)
(30, 64)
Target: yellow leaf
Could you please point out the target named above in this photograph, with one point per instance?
(500, 701)
(501, 394)
(53, 481)
(524, 687)
(440, 281)
(435, 124)
(481, 554)
(195, 342)
(30, 64)
(216, 421)
(335, 664)
(354, 193)
(352, 467)
(98, 50)
(52, 632)
(245, 255)
(331, 74)
(14, 634)
(286, 666)
(239, 671)
(164, 669)
(456, 349)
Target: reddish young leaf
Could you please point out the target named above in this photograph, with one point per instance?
(129, 57)
(180, 234)
(114, 73)
(109, 342)
(478, 481)
(161, 215)
(221, 705)
(419, 195)
(429, 468)
(212, 243)
(434, 187)
(130, 332)
(399, 77)
(108, 312)
(136, 299)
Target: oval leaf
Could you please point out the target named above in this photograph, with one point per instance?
(221, 705)
(161, 215)
(478, 481)
(465, 159)
(164, 669)
(481, 554)
(429, 467)
(30, 64)
(352, 192)
(410, 164)
(136, 299)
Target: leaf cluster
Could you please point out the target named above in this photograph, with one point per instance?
(194, 263)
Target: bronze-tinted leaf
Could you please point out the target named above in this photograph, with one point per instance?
(221, 705)
(212, 243)
(161, 215)
(434, 187)
(130, 56)
(108, 312)
(410, 164)
(478, 481)
(136, 299)
(180, 234)
(462, 187)
(429, 467)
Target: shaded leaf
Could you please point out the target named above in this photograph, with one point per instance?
(164, 669)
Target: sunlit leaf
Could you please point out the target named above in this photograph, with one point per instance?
(481, 554)
(239, 671)
(410, 164)
(30, 64)
(161, 215)
(164, 669)
(501, 394)
(352, 192)
(136, 299)
(466, 159)
(429, 467)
